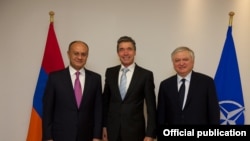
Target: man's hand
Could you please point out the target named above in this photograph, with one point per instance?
(104, 134)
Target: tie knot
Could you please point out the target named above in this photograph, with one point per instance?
(183, 80)
(77, 74)
(125, 70)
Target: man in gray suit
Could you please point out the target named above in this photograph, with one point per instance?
(64, 119)
(200, 105)
(124, 117)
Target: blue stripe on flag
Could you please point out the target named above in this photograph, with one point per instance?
(40, 88)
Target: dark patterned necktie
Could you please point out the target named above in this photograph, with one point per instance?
(182, 92)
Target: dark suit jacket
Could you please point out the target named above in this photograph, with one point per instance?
(62, 120)
(202, 107)
(125, 119)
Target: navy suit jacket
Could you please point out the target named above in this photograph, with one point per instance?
(125, 119)
(62, 120)
(201, 108)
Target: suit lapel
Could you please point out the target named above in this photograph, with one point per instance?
(175, 91)
(116, 83)
(114, 77)
(86, 87)
(68, 83)
(191, 88)
(134, 80)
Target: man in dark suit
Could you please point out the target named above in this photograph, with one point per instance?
(63, 119)
(200, 105)
(124, 117)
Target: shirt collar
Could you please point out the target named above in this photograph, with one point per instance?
(188, 77)
(130, 67)
(72, 71)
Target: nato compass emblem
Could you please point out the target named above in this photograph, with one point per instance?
(231, 113)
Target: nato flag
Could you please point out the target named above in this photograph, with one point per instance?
(228, 85)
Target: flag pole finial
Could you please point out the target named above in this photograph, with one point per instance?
(51, 14)
(231, 14)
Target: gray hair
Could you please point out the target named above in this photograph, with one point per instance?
(183, 48)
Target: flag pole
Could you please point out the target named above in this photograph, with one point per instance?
(231, 14)
(51, 13)
(229, 88)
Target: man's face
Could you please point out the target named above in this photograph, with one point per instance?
(183, 63)
(126, 53)
(78, 54)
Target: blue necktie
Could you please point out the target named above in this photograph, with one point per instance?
(123, 82)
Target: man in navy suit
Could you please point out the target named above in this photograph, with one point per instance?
(200, 105)
(124, 117)
(62, 119)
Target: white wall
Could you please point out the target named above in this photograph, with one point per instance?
(157, 26)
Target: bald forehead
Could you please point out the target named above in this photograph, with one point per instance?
(78, 42)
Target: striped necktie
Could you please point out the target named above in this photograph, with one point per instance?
(123, 82)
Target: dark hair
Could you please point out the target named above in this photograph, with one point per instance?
(125, 39)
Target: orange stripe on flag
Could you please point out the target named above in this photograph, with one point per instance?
(35, 127)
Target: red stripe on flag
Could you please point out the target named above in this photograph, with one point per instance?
(52, 60)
